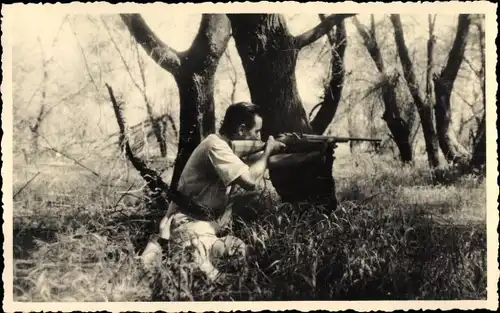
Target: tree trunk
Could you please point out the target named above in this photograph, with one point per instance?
(397, 125)
(478, 158)
(424, 107)
(443, 86)
(194, 72)
(269, 54)
(197, 116)
(333, 93)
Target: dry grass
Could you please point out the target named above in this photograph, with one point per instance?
(394, 236)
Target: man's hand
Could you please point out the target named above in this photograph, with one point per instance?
(273, 146)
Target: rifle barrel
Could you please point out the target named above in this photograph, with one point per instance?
(338, 139)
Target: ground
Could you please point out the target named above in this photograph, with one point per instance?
(77, 236)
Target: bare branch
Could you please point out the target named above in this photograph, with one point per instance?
(160, 52)
(153, 179)
(455, 57)
(25, 185)
(85, 61)
(371, 45)
(406, 62)
(333, 92)
(430, 58)
(319, 30)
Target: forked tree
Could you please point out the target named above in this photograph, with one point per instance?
(268, 52)
(443, 137)
(423, 103)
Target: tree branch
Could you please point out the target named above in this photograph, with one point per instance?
(456, 55)
(430, 58)
(152, 178)
(371, 45)
(161, 190)
(160, 52)
(406, 62)
(329, 33)
(319, 30)
(333, 92)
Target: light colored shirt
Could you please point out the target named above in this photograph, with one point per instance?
(209, 173)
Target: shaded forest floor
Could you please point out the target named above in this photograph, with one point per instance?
(77, 236)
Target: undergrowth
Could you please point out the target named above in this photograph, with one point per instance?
(395, 236)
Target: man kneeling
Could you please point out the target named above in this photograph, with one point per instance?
(210, 173)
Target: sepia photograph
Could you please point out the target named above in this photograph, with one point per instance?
(249, 156)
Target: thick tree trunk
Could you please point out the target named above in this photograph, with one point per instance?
(269, 55)
(396, 124)
(424, 108)
(197, 116)
(194, 72)
(443, 86)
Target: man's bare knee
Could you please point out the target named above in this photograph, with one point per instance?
(229, 246)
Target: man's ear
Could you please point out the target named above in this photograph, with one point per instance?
(241, 129)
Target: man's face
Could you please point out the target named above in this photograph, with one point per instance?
(253, 133)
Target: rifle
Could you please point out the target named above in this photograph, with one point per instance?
(295, 143)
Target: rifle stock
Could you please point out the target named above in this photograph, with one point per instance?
(296, 143)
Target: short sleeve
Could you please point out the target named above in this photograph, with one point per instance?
(227, 164)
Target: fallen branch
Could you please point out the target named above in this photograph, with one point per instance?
(154, 181)
(25, 185)
(75, 160)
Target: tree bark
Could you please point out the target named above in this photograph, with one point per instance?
(333, 93)
(424, 107)
(478, 158)
(269, 54)
(194, 72)
(443, 86)
(396, 124)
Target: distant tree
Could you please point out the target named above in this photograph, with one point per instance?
(444, 137)
(42, 112)
(478, 158)
(443, 86)
(398, 127)
(423, 104)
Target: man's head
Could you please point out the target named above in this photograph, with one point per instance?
(242, 121)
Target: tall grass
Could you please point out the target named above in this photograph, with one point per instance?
(394, 236)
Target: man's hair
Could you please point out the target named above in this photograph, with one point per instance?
(237, 114)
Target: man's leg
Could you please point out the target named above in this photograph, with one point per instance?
(200, 236)
(153, 252)
(201, 256)
(228, 246)
(230, 251)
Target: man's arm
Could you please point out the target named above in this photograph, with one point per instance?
(232, 170)
(258, 165)
(256, 170)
